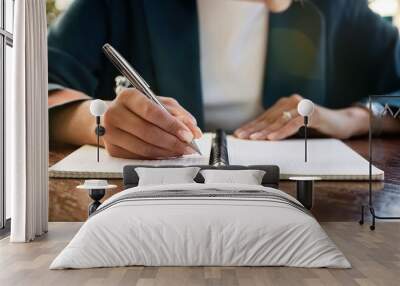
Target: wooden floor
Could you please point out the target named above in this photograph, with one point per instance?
(374, 255)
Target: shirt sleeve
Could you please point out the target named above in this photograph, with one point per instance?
(379, 50)
(74, 51)
(56, 99)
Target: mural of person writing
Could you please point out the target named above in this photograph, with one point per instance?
(239, 65)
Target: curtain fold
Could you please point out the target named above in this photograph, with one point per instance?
(27, 122)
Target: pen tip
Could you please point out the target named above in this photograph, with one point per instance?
(195, 147)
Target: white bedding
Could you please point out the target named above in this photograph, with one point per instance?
(188, 231)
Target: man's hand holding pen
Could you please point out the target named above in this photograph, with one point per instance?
(152, 113)
(139, 128)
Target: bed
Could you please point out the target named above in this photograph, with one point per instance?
(198, 224)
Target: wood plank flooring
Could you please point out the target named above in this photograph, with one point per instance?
(375, 257)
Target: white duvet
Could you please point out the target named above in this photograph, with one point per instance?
(188, 231)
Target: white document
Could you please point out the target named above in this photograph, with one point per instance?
(83, 162)
(330, 159)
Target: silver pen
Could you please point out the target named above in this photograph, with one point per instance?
(136, 80)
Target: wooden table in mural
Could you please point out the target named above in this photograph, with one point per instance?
(333, 200)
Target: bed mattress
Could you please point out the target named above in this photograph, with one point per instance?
(201, 225)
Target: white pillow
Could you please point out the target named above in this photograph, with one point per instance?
(248, 177)
(166, 176)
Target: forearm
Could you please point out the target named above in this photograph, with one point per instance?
(353, 121)
(341, 123)
(72, 123)
(357, 121)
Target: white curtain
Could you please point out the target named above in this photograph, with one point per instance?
(27, 123)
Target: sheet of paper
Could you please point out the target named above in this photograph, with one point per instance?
(83, 162)
(327, 158)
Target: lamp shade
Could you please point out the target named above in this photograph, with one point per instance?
(305, 107)
(97, 107)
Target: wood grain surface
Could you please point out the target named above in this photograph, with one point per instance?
(334, 201)
(375, 259)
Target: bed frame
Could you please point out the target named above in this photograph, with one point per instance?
(131, 178)
(270, 179)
